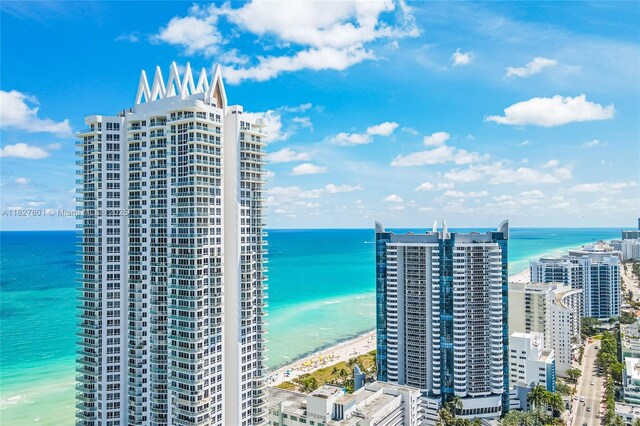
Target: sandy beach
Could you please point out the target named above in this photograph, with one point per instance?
(343, 351)
(520, 277)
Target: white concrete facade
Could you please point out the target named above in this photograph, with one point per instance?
(551, 309)
(594, 270)
(377, 403)
(530, 362)
(172, 291)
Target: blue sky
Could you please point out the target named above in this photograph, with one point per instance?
(403, 113)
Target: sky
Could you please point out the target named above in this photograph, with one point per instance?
(383, 110)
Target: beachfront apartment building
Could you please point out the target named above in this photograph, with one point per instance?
(552, 309)
(530, 363)
(630, 248)
(594, 270)
(171, 300)
(442, 317)
(377, 403)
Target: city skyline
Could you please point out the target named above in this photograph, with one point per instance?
(391, 111)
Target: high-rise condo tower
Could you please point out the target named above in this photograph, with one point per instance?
(171, 301)
(442, 317)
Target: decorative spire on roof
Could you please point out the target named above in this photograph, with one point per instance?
(214, 92)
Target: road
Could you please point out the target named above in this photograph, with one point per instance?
(630, 282)
(592, 393)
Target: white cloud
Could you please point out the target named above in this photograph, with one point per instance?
(382, 129)
(396, 207)
(22, 150)
(497, 174)
(287, 155)
(533, 67)
(288, 193)
(19, 111)
(274, 129)
(333, 35)
(525, 143)
(459, 194)
(532, 194)
(336, 189)
(461, 58)
(436, 139)
(346, 139)
(303, 121)
(393, 198)
(592, 143)
(300, 108)
(22, 181)
(325, 58)
(556, 111)
(428, 186)
(442, 154)
(551, 163)
(610, 187)
(196, 33)
(308, 169)
(133, 37)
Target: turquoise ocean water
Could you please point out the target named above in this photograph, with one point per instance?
(321, 290)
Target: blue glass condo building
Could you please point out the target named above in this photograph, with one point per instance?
(442, 317)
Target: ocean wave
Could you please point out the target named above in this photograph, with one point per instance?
(332, 302)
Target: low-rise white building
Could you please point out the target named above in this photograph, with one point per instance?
(551, 309)
(377, 403)
(631, 381)
(530, 362)
(628, 412)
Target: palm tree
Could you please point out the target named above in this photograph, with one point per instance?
(554, 400)
(537, 396)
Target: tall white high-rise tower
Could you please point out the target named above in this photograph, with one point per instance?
(442, 317)
(172, 288)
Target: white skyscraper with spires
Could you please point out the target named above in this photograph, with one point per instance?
(172, 288)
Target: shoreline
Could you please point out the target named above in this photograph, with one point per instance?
(343, 351)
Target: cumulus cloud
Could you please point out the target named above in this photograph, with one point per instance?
(460, 194)
(20, 112)
(320, 35)
(382, 129)
(195, 33)
(461, 58)
(551, 112)
(23, 150)
(287, 155)
(428, 186)
(392, 198)
(592, 143)
(308, 169)
(497, 173)
(551, 163)
(274, 129)
(22, 181)
(288, 193)
(440, 155)
(436, 139)
(610, 187)
(534, 67)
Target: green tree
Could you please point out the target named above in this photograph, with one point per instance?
(564, 389)
(589, 326)
(537, 397)
(573, 374)
(555, 402)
